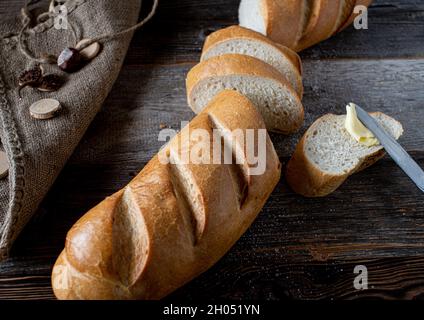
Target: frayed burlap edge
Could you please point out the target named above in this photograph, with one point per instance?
(12, 146)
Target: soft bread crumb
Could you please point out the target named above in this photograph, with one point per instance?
(261, 51)
(250, 15)
(332, 149)
(279, 108)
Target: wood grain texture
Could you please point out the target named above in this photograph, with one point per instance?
(177, 33)
(297, 248)
(395, 30)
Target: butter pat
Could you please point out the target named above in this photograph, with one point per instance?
(356, 129)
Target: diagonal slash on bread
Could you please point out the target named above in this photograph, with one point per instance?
(172, 221)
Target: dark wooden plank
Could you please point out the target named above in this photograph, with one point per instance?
(397, 278)
(274, 278)
(177, 32)
(241, 275)
(297, 248)
(391, 86)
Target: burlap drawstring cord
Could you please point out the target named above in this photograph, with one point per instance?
(27, 18)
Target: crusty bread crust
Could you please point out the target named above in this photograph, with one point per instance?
(282, 20)
(294, 58)
(307, 179)
(230, 64)
(327, 18)
(346, 11)
(237, 32)
(145, 241)
(312, 19)
(299, 24)
(323, 23)
(237, 64)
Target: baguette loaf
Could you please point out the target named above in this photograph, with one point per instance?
(240, 40)
(327, 155)
(268, 89)
(298, 24)
(171, 222)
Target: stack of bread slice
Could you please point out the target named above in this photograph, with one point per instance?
(268, 74)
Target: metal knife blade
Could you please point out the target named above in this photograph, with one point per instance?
(393, 148)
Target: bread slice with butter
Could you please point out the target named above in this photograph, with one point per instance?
(328, 153)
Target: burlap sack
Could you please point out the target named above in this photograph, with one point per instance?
(38, 149)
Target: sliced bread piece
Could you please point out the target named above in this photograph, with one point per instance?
(310, 17)
(240, 40)
(322, 24)
(277, 19)
(346, 10)
(306, 16)
(327, 155)
(298, 24)
(262, 84)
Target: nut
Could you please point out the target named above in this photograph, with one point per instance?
(50, 82)
(30, 77)
(69, 60)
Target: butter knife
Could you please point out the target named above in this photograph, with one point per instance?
(393, 148)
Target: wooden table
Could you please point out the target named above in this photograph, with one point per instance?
(297, 248)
